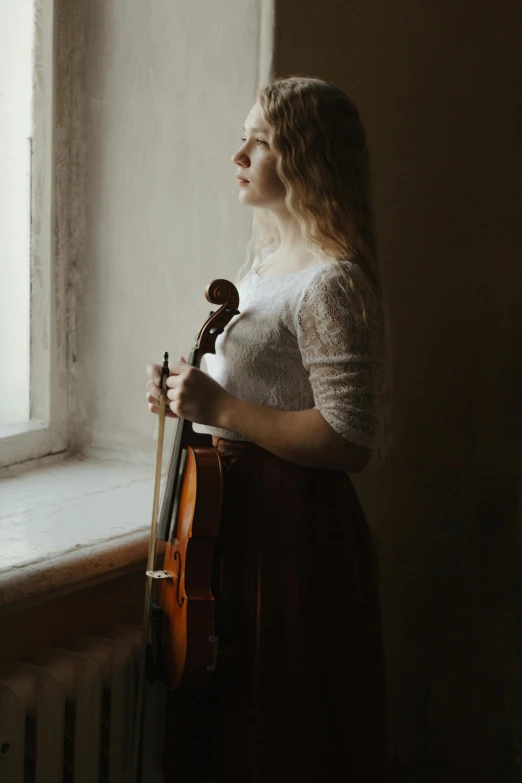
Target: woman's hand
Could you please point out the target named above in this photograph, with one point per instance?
(153, 390)
(191, 393)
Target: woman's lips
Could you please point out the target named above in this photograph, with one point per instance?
(241, 181)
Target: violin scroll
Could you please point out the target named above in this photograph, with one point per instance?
(219, 292)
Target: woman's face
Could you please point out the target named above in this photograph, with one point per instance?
(257, 178)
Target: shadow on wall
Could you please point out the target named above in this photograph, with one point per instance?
(459, 687)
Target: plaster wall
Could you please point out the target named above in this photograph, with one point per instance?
(59, 621)
(164, 92)
(438, 86)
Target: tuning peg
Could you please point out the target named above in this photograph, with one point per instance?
(217, 330)
(232, 311)
(211, 313)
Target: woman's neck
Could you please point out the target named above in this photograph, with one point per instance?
(292, 240)
(292, 253)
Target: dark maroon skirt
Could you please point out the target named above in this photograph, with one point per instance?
(306, 700)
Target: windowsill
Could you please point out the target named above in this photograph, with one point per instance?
(19, 428)
(70, 522)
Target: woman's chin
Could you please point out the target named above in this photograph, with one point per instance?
(245, 198)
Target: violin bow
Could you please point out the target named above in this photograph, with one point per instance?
(150, 567)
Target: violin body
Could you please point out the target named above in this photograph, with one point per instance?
(187, 599)
(180, 607)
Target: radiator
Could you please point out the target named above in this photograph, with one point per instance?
(68, 716)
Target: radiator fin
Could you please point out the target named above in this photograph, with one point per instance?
(68, 717)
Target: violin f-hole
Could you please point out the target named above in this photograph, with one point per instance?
(179, 602)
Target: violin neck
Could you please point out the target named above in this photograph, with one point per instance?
(168, 510)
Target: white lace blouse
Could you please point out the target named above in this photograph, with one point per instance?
(301, 342)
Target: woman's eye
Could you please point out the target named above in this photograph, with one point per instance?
(259, 141)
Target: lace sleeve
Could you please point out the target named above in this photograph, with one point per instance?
(335, 345)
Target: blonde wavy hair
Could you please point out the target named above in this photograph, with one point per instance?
(322, 159)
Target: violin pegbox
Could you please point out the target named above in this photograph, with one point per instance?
(225, 294)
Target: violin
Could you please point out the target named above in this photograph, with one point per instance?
(180, 645)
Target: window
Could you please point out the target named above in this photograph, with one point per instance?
(33, 395)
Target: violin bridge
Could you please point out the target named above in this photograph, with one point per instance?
(159, 574)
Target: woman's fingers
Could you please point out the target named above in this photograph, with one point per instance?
(153, 398)
(154, 407)
(153, 390)
(154, 373)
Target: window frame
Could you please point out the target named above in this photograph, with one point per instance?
(46, 431)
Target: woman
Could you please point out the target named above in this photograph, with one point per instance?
(295, 399)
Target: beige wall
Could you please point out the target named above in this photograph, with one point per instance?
(438, 87)
(61, 620)
(165, 88)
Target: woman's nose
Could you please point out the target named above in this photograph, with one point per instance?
(240, 158)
